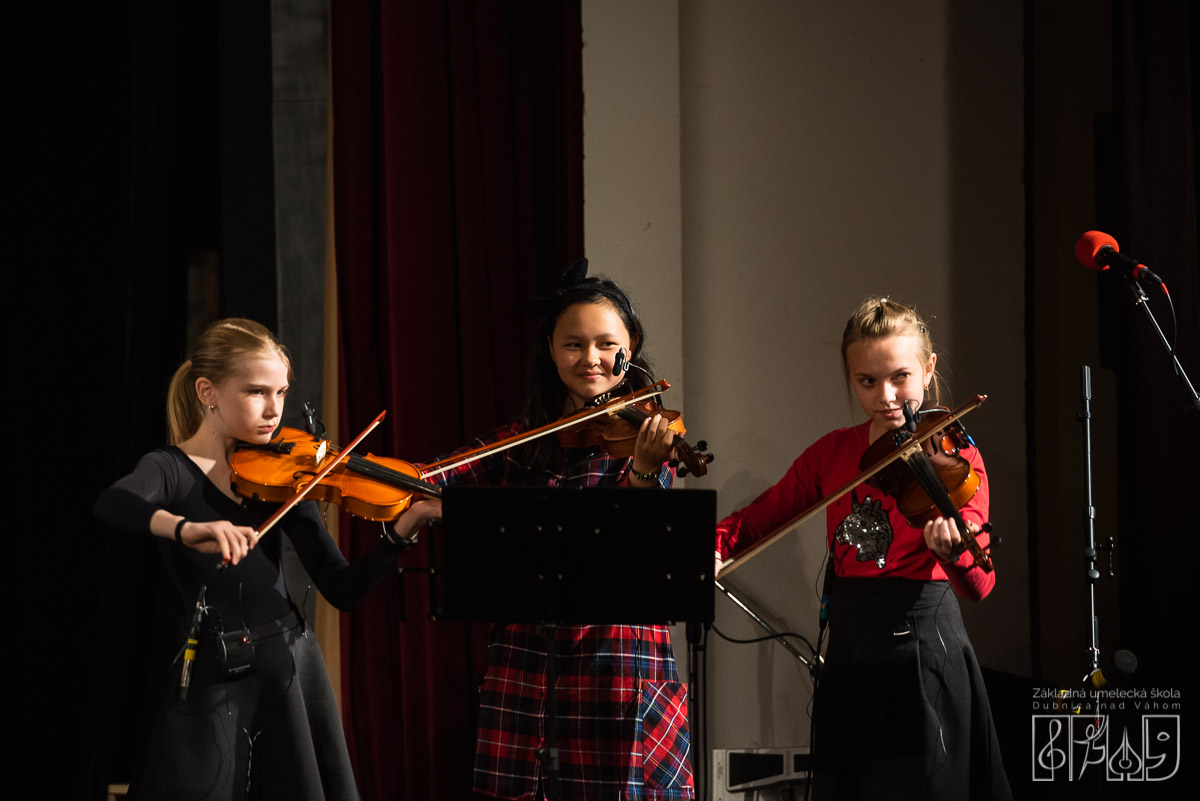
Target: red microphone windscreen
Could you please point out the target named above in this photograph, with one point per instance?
(1088, 245)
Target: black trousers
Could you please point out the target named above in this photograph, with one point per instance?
(275, 733)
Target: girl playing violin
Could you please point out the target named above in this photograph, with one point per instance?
(259, 718)
(622, 722)
(901, 710)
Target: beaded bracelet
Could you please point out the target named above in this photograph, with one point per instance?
(649, 475)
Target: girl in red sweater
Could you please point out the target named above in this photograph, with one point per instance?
(901, 710)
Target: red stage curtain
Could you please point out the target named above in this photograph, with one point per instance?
(458, 176)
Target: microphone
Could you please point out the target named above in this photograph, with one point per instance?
(310, 419)
(189, 650)
(621, 364)
(1098, 251)
(910, 418)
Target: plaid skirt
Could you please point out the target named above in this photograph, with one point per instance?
(621, 715)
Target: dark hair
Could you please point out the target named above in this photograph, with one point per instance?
(546, 394)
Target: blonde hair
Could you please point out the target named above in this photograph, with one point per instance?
(216, 355)
(878, 318)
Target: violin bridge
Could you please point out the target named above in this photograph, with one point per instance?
(321, 452)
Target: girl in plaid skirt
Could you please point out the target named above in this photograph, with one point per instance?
(621, 727)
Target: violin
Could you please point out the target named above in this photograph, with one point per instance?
(631, 410)
(376, 488)
(938, 481)
(938, 426)
(616, 434)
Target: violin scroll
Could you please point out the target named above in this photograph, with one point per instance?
(690, 456)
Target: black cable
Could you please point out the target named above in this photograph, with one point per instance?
(816, 675)
(764, 638)
(1174, 333)
(940, 671)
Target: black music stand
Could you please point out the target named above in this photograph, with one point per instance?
(582, 555)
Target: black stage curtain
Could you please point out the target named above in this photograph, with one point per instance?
(115, 111)
(1146, 197)
(457, 197)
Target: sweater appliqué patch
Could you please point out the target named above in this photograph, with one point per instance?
(867, 528)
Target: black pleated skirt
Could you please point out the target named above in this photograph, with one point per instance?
(901, 711)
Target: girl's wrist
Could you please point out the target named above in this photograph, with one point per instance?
(645, 475)
(406, 539)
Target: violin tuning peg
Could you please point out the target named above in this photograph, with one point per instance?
(708, 458)
(672, 463)
(702, 445)
(682, 471)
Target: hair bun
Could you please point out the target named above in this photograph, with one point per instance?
(573, 275)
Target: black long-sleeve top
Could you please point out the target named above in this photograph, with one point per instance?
(252, 592)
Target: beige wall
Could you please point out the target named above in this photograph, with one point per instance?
(752, 171)
(631, 165)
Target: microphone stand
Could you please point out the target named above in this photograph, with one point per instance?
(1092, 575)
(1140, 299)
(547, 753)
(812, 666)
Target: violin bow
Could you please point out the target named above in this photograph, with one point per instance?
(900, 453)
(316, 479)
(612, 406)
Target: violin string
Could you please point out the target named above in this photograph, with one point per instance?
(384, 473)
(932, 484)
(929, 480)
